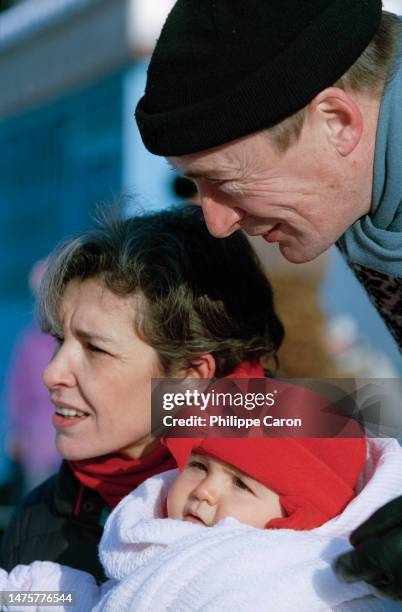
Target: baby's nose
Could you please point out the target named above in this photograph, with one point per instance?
(207, 491)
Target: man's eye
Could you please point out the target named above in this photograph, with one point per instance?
(217, 182)
(197, 465)
(241, 485)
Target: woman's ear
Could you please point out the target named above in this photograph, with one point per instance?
(202, 367)
(341, 116)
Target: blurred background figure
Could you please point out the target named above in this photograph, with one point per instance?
(354, 353)
(185, 189)
(30, 435)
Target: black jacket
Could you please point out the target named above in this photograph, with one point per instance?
(44, 528)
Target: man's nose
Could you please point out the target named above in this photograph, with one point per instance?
(207, 491)
(59, 372)
(221, 219)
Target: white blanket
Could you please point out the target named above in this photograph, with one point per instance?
(162, 564)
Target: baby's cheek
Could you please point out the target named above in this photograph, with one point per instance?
(169, 506)
(174, 501)
(257, 513)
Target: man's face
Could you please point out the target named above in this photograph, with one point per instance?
(304, 199)
(208, 490)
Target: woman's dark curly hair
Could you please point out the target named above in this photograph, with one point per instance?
(196, 294)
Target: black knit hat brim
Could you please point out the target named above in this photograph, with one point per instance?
(316, 59)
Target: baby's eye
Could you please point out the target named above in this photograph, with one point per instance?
(241, 485)
(197, 465)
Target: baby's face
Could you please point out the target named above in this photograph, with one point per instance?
(208, 490)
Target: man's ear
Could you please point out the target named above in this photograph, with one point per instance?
(341, 117)
(202, 367)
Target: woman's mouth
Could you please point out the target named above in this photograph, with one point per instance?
(65, 417)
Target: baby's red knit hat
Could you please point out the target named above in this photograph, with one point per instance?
(314, 477)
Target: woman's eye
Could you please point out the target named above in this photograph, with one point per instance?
(241, 485)
(197, 465)
(58, 339)
(94, 349)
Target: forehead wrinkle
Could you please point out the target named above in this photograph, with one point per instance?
(217, 165)
(91, 335)
(81, 311)
(207, 170)
(208, 175)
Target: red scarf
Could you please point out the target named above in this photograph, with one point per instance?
(248, 369)
(115, 476)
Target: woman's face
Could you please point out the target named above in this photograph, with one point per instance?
(99, 378)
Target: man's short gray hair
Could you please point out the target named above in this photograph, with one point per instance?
(370, 73)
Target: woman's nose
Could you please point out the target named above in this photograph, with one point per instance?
(221, 219)
(59, 372)
(207, 491)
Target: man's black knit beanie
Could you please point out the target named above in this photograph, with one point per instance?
(222, 69)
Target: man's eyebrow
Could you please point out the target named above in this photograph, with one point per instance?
(194, 175)
(86, 334)
(210, 175)
(207, 174)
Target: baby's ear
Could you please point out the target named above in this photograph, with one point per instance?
(202, 367)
